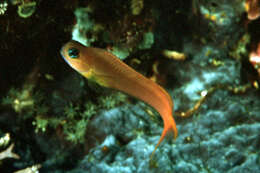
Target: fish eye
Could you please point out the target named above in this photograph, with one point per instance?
(73, 53)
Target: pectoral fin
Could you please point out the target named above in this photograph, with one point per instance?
(104, 80)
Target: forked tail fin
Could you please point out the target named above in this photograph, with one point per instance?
(169, 126)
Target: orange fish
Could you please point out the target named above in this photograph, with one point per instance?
(107, 70)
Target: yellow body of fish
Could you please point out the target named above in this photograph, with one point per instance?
(107, 70)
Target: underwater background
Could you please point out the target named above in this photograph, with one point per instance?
(205, 53)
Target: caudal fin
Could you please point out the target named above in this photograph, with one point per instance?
(169, 127)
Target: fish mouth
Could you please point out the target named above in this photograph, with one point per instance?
(61, 52)
(64, 56)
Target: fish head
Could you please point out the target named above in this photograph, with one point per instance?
(73, 53)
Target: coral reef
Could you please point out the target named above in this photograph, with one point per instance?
(205, 53)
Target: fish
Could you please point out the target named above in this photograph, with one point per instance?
(109, 71)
